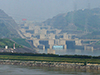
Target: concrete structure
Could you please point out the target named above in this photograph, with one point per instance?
(65, 36)
(43, 31)
(37, 27)
(51, 36)
(50, 46)
(58, 31)
(69, 36)
(35, 31)
(27, 35)
(65, 46)
(56, 42)
(14, 46)
(42, 36)
(35, 42)
(6, 47)
(41, 47)
(48, 37)
(78, 42)
(63, 42)
(51, 42)
(88, 48)
(23, 30)
(51, 51)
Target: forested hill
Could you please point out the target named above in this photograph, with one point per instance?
(83, 19)
(7, 26)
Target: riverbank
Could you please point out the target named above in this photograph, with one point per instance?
(51, 64)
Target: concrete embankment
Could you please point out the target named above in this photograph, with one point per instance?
(51, 64)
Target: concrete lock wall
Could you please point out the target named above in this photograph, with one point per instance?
(51, 42)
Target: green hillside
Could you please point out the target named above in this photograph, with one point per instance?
(77, 20)
(8, 27)
(9, 43)
(22, 42)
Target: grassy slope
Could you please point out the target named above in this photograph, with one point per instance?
(9, 43)
(52, 59)
(22, 42)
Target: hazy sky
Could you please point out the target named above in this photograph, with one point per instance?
(36, 10)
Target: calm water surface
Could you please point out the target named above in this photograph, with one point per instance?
(21, 70)
(75, 52)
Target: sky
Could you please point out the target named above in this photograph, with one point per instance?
(40, 10)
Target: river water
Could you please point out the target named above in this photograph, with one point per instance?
(74, 52)
(24, 70)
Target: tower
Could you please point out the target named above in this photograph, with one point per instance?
(14, 46)
(75, 9)
(89, 5)
(75, 6)
(86, 21)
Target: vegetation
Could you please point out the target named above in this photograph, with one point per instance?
(22, 42)
(9, 43)
(81, 18)
(50, 57)
(3, 30)
(98, 43)
(93, 35)
(7, 26)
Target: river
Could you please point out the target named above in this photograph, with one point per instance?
(24, 70)
(74, 52)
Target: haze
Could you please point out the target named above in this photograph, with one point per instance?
(40, 10)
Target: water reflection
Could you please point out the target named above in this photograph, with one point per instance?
(74, 52)
(25, 70)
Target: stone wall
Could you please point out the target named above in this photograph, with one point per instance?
(51, 64)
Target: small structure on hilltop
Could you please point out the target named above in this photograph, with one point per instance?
(51, 51)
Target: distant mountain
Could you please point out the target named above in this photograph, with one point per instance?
(8, 27)
(80, 20)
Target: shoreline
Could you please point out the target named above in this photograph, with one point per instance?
(51, 64)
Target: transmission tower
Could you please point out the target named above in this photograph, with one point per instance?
(85, 27)
(89, 4)
(75, 9)
(75, 6)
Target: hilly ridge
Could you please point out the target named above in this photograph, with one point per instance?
(83, 19)
(7, 26)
